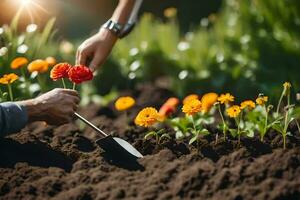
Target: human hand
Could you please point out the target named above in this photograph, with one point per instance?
(56, 107)
(97, 48)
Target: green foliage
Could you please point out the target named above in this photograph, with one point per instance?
(158, 135)
(33, 44)
(245, 43)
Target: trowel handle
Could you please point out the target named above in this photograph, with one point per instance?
(90, 125)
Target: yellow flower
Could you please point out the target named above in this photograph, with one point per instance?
(9, 78)
(233, 111)
(18, 62)
(190, 97)
(147, 117)
(287, 85)
(208, 100)
(170, 12)
(124, 103)
(286, 88)
(226, 98)
(248, 104)
(261, 100)
(192, 107)
(51, 61)
(39, 66)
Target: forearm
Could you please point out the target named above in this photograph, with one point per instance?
(13, 117)
(123, 11)
(33, 108)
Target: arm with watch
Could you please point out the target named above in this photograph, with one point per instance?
(98, 47)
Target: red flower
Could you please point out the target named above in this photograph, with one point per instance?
(169, 107)
(166, 110)
(60, 71)
(79, 74)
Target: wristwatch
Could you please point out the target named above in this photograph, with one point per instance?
(114, 27)
(123, 30)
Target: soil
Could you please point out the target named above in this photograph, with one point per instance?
(45, 162)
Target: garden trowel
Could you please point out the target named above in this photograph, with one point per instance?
(114, 146)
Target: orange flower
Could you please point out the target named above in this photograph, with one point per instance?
(18, 63)
(79, 74)
(190, 97)
(233, 111)
(226, 98)
(60, 71)
(9, 78)
(124, 103)
(248, 104)
(147, 117)
(39, 66)
(192, 107)
(208, 100)
(51, 61)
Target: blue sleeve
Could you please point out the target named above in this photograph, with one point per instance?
(13, 118)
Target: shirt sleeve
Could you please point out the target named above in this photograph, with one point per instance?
(13, 118)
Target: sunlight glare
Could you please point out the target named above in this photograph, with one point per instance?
(25, 2)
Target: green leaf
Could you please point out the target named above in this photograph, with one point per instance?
(233, 132)
(278, 128)
(165, 135)
(193, 139)
(150, 134)
(296, 113)
(204, 132)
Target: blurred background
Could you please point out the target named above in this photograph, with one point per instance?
(90, 14)
(241, 46)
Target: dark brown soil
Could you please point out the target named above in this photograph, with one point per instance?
(44, 162)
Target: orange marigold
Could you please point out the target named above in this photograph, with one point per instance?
(226, 98)
(233, 111)
(189, 98)
(208, 100)
(9, 78)
(192, 107)
(39, 66)
(147, 117)
(248, 104)
(18, 62)
(124, 103)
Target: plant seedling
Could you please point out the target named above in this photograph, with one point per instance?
(158, 135)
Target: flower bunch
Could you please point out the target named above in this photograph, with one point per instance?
(238, 119)
(76, 74)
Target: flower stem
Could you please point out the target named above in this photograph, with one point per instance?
(279, 103)
(224, 123)
(194, 126)
(237, 121)
(10, 92)
(74, 86)
(63, 82)
(266, 124)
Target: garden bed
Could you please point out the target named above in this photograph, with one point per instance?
(45, 162)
